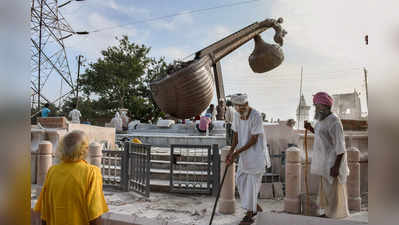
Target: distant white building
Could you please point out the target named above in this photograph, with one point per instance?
(347, 106)
(302, 112)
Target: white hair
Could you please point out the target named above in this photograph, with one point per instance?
(73, 147)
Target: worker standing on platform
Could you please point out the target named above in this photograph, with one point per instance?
(221, 109)
(45, 110)
(249, 144)
(329, 158)
(75, 114)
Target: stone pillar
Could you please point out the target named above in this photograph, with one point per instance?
(227, 197)
(45, 161)
(353, 182)
(95, 154)
(292, 202)
(54, 137)
(36, 136)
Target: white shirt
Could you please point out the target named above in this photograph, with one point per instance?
(75, 115)
(329, 141)
(214, 112)
(256, 158)
(229, 114)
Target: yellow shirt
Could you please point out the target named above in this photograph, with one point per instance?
(72, 194)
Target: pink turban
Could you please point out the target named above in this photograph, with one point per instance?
(322, 98)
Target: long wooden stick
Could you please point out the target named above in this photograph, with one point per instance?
(220, 188)
(306, 174)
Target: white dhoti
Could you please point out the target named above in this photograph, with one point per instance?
(333, 198)
(248, 186)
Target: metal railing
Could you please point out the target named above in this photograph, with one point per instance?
(194, 168)
(111, 167)
(139, 164)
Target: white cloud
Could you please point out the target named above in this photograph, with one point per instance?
(172, 53)
(215, 33)
(92, 44)
(173, 23)
(129, 10)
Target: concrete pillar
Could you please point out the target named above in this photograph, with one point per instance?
(36, 136)
(292, 202)
(95, 154)
(227, 197)
(353, 182)
(54, 138)
(45, 161)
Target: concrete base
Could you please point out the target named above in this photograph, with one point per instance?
(226, 206)
(355, 204)
(292, 205)
(288, 219)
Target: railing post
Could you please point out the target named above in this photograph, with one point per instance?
(148, 169)
(292, 202)
(353, 182)
(216, 169)
(34, 161)
(125, 167)
(95, 154)
(227, 198)
(45, 161)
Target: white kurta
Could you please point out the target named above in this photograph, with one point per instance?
(252, 162)
(329, 142)
(75, 116)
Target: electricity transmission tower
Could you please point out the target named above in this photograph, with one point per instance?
(48, 30)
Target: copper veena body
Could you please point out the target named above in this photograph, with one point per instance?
(188, 92)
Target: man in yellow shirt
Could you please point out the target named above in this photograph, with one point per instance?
(72, 193)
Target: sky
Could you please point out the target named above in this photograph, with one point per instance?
(326, 38)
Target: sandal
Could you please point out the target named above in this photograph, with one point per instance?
(246, 220)
(258, 209)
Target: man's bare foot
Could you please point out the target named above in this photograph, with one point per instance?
(258, 208)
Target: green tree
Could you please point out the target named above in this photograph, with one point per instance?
(120, 79)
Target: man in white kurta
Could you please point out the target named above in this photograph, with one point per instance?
(329, 158)
(249, 143)
(75, 115)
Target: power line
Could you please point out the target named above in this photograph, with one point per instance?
(176, 14)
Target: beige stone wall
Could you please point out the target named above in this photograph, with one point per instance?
(278, 137)
(96, 133)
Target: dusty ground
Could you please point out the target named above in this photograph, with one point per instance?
(183, 208)
(186, 209)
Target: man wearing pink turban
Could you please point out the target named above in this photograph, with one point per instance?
(329, 159)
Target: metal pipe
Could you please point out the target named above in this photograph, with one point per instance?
(40, 52)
